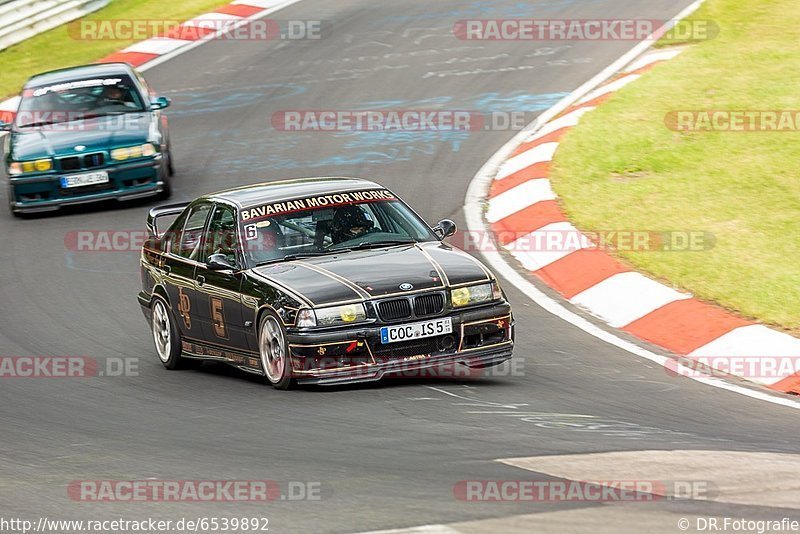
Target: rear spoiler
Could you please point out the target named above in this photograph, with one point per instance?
(162, 211)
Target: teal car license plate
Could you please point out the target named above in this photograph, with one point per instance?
(79, 180)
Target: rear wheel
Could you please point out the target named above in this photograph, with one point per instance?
(165, 335)
(274, 352)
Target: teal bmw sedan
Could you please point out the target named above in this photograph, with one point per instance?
(86, 134)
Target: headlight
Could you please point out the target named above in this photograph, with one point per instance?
(333, 316)
(467, 296)
(145, 150)
(24, 167)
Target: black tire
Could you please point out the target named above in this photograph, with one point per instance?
(166, 337)
(164, 174)
(274, 351)
(170, 165)
(10, 202)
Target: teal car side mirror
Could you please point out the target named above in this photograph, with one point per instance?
(160, 102)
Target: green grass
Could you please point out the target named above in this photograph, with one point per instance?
(622, 168)
(56, 49)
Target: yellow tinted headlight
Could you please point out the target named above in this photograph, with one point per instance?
(338, 315)
(348, 314)
(460, 296)
(120, 154)
(145, 150)
(24, 167)
(464, 296)
(43, 165)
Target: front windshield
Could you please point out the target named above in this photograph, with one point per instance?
(331, 223)
(77, 100)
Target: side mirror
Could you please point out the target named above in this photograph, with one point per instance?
(219, 262)
(445, 228)
(5, 126)
(160, 102)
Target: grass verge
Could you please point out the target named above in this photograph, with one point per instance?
(57, 49)
(622, 168)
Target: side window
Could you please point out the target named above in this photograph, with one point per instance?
(222, 238)
(188, 243)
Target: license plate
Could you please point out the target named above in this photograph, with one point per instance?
(78, 180)
(404, 332)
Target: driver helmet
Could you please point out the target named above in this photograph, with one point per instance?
(350, 222)
(115, 93)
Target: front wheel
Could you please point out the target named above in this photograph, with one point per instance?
(165, 335)
(164, 175)
(274, 352)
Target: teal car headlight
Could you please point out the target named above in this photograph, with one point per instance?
(132, 152)
(477, 294)
(17, 168)
(333, 316)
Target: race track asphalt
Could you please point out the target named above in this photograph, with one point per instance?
(389, 454)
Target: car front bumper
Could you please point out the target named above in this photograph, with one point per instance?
(482, 337)
(126, 182)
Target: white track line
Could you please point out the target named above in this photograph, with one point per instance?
(622, 298)
(548, 244)
(157, 45)
(612, 87)
(518, 198)
(567, 121)
(539, 154)
(652, 57)
(473, 206)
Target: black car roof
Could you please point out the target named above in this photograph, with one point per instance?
(81, 72)
(257, 194)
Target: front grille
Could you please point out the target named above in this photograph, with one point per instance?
(392, 310)
(94, 160)
(70, 164)
(415, 347)
(89, 161)
(425, 305)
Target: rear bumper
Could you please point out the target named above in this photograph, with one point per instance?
(126, 182)
(481, 338)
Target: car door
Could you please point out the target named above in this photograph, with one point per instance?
(220, 304)
(180, 265)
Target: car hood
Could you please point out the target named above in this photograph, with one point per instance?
(101, 133)
(376, 273)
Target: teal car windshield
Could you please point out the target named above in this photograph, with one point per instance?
(78, 100)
